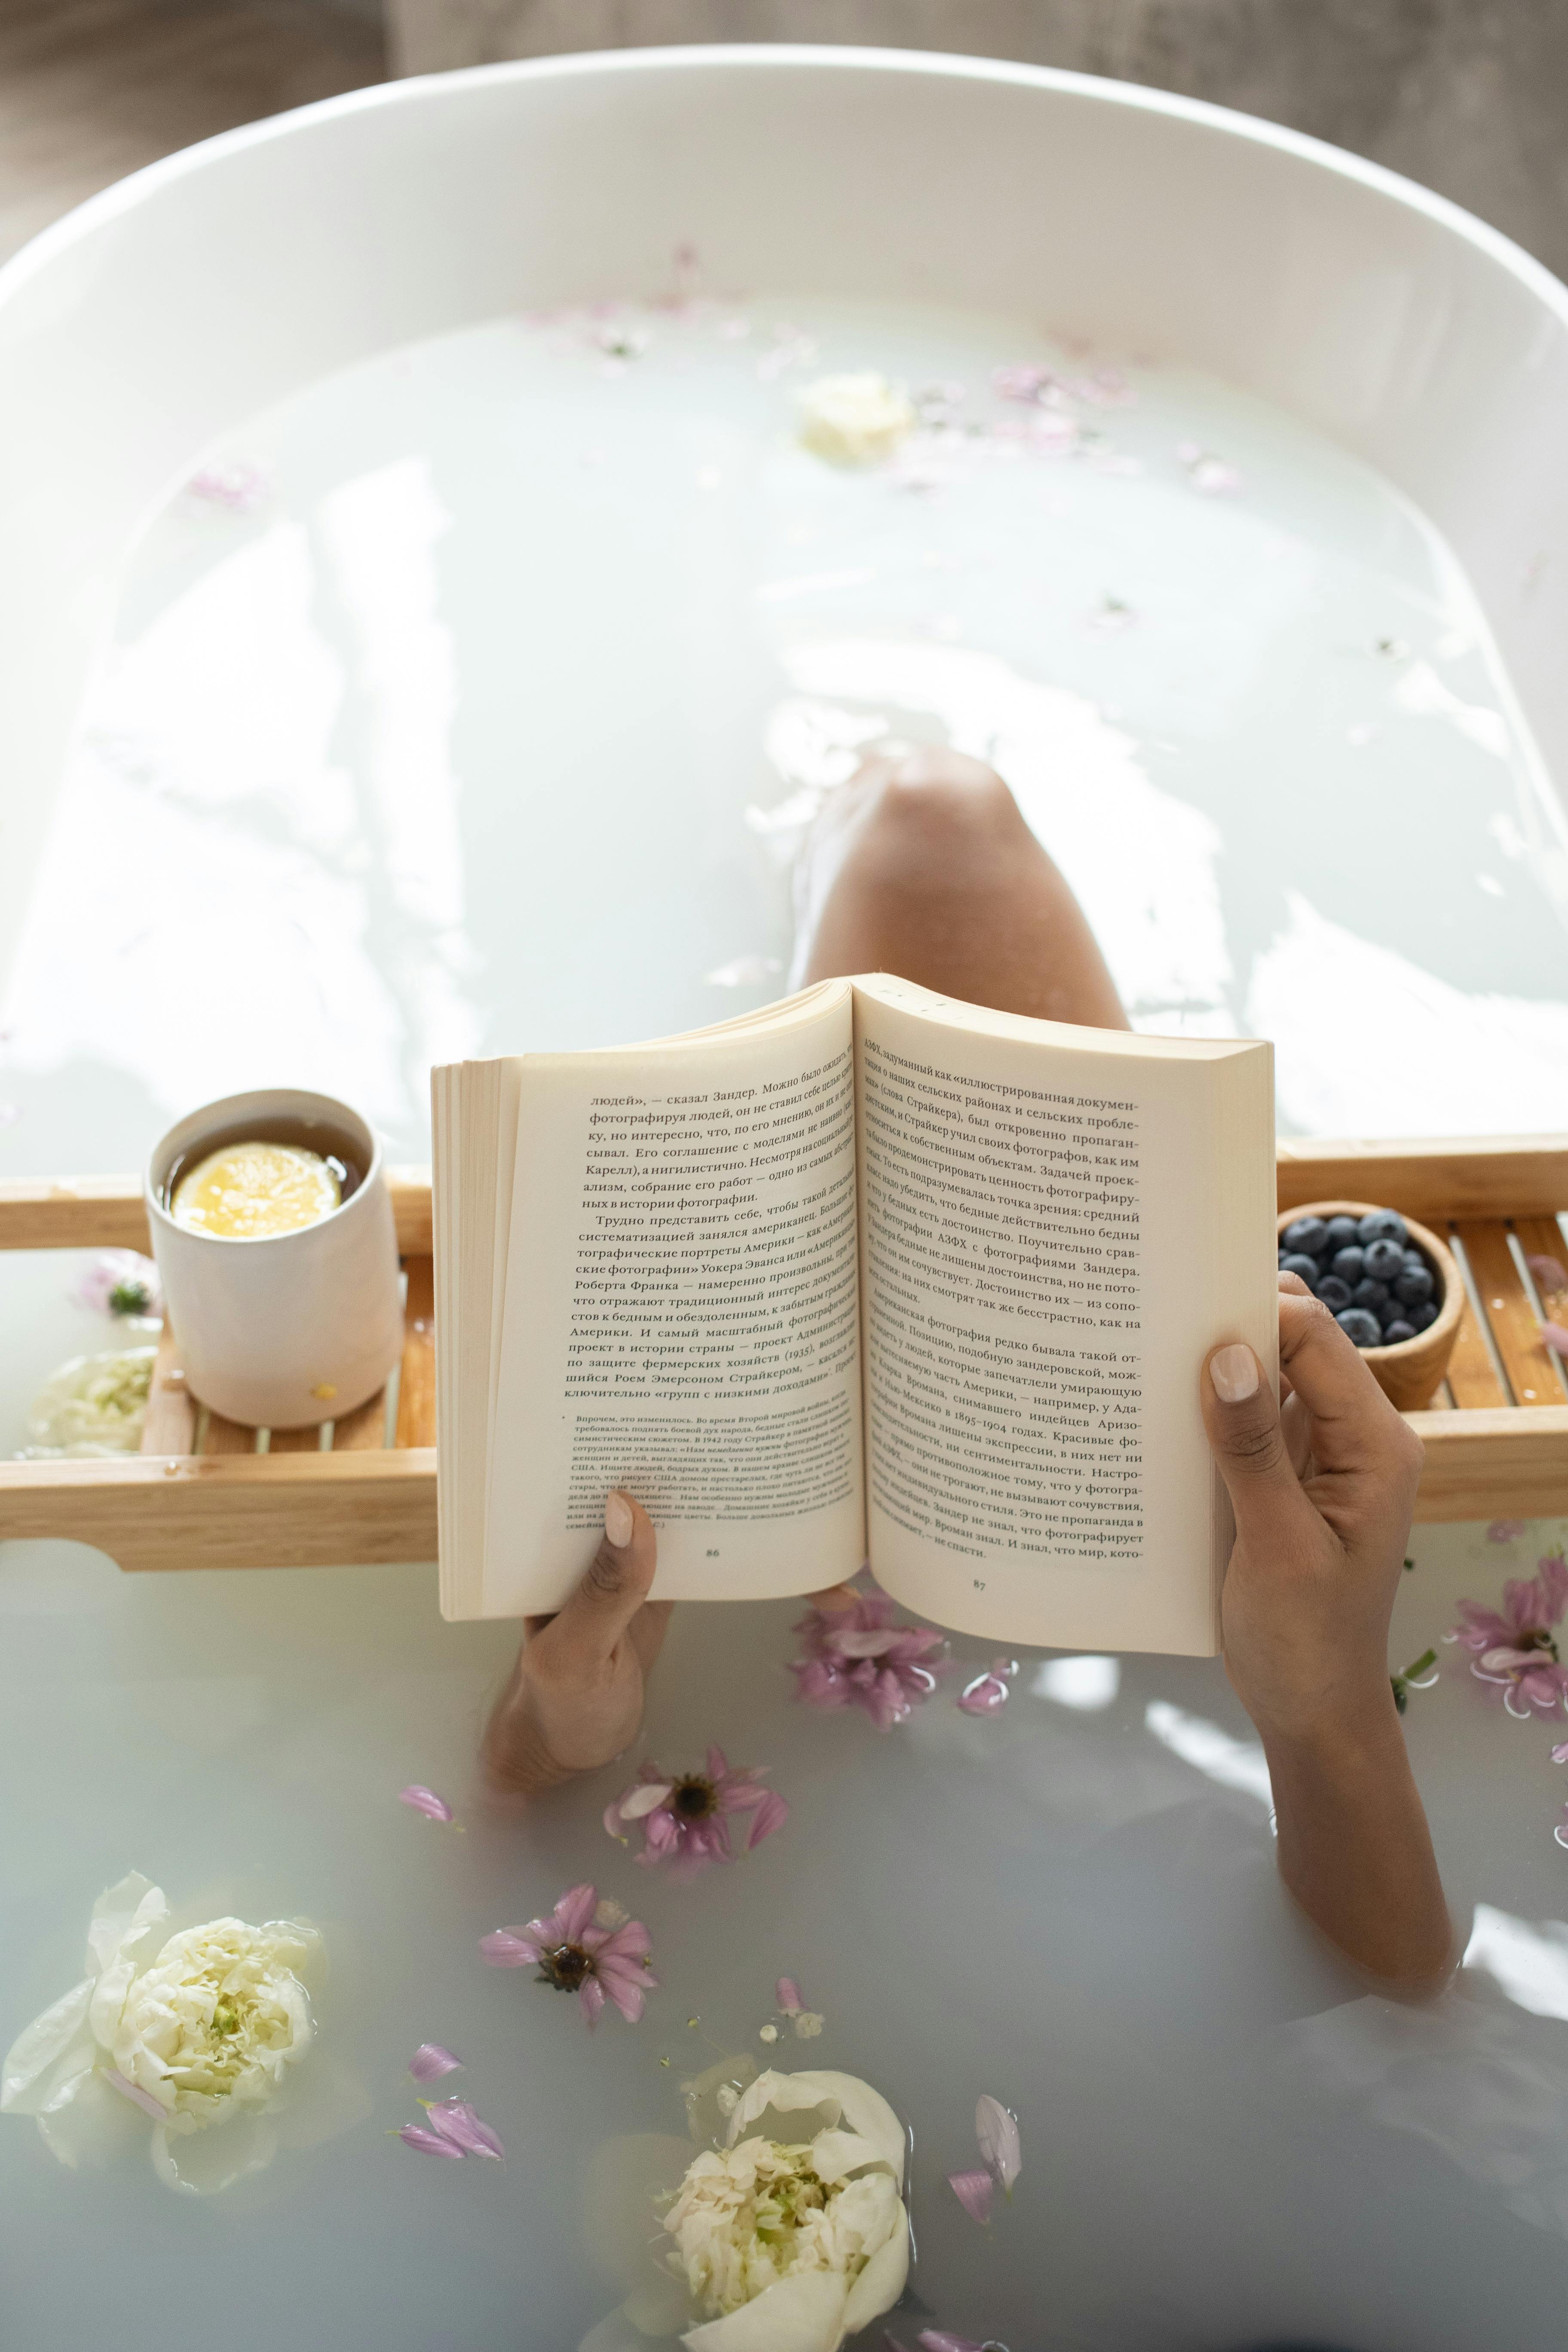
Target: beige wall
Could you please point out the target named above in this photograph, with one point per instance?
(1468, 96)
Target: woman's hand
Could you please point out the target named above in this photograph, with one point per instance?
(1323, 1494)
(575, 1698)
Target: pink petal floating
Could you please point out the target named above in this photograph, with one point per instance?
(1559, 1755)
(996, 2129)
(974, 2191)
(137, 2096)
(1505, 1531)
(428, 2143)
(937, 2339)
(789, 1998)
(430, 2061)
(425, 1800)
(455, 2120)
(509, 1947)
(645, 1799)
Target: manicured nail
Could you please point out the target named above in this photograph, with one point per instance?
(1233, 1371)
(618, 1520)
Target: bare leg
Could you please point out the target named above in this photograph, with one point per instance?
(922, 866)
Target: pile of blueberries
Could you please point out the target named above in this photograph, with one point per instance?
(1378, 1287)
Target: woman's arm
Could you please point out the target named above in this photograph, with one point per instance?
(1323, 1493)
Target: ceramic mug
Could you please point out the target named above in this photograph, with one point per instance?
(284, 1330)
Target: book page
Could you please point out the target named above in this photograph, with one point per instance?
(681, 1313)
(1056, 1224)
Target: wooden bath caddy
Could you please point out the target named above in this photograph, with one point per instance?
(206, 1493)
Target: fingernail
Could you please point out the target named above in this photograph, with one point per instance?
(618, 1521)
(1233, 1371)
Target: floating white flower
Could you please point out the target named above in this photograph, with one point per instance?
(196, 2028)
(855, 420)
(792, 2243)
(93, 1406)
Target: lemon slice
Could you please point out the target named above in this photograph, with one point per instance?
(248, 1191)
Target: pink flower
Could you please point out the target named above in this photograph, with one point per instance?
(1514, 1649)
(685, 1819)
(121, 1282)
(1505, 1531)
(235, 484)
(454, 2120)
(858, 1656)
(574, 1955)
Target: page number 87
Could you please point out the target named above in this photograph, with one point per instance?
(980, 1584)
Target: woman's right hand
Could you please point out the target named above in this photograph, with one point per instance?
(575, 1698)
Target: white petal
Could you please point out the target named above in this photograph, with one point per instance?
(62, 2032)
(834, 2155)
(881, 2282)
(996, 2129)
(107, 2005)
(847, 2099)
(87, 2123)
(802, 2314)
(645, 1799)
(199, 2164)
(122, 1915)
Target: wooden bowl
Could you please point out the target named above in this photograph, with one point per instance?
(1407, 1374)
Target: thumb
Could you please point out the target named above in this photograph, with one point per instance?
(1242, 1419)
(617, 1582)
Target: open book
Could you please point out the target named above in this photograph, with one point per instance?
(868, 1273)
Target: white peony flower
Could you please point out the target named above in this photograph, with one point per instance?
(855, 420)
(196, 2028)
(789, 2242)
(93, 1406)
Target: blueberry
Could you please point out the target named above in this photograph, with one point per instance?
(1350, 1264)
(1341, 1232)
(1334, 1293)
(1360, 1326)
(1424, 1315)
(1384, 1259)
(1414, 1286)
(1414, 1260)
(1381, 1225)
(1308, 1237)
(1371, 1297)
(1307, 1267)
(1395, 1334)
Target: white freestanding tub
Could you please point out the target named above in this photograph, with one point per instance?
(227, 276)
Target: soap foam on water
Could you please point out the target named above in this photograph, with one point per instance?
(442, 742)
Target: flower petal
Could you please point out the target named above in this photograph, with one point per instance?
(987, 1694)
(430, 2061)
(996, 2129)
(574, 1913)
(644, 1797)
(31, 2063)
(455, 2120)
(425, 1800)
(428, 2143)
(882, 2281)
(591, 1998)
(851, 2101)
(717, 1764)
(136, 2095)
(1556, 1338)
(974, 2191)
(937, 2339)
(506, 1948)
(769, 1816)
(789, 1999)
(804, 2313)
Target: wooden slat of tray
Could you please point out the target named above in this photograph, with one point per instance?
(363, 1432)
(109, 1213)
(1543, 1237)
(416, 1384)
(170, 1424)
(1472, 1376)
(1485, 1465)
(242, 1510)
(1470, 1176)
(1515, 1330)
